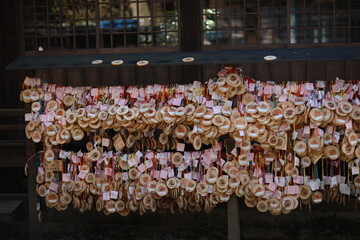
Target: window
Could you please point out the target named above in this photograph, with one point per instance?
(100, 24)
(109, 26)
(280, 22)
(234, 22)
(326, 21)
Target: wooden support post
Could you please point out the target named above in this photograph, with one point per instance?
(233, 219)
(35, 230)
(191, 20)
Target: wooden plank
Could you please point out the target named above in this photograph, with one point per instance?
(92, 77)
(315, 70)
(191, 74)
(175, 76)
(297, 71)
(12, 112)
(209, 71)
(262, 71)
(335, 69)
(173, 57)
(43, 74)
(109, 76)
(233, 218)
(352, 71)
(144, 75)
(127, 76)
(160, 73)
(75, 77)
(57, 76)
(12, 143)
(13, 196)
(8, 127)
(248, 69)
(280, 71)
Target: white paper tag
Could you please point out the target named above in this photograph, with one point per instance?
(314, 185)
(106, 196)
(344, 189)
(28, 117)
(114, 194)
(333, 182)
(280, 181)
(355, 170)
(294, 135)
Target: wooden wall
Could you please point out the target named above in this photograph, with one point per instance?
(10, 49)
(12, 138)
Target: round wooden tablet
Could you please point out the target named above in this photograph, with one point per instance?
(188, 59)
(142, 63)
(270, 58)
(117, 62)
(97, 61)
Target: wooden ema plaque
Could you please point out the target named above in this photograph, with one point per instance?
(55, 166)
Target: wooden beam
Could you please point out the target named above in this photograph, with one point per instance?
(57, 76)
(144, 75)
(263, 71)
(12, 143)
(335, 69)
(13, 196)
(221, 57)
(298, 71)
(35, 229)
(92, 77)
(209, 71)
(351, 70)
(4, 127)
(11, 112)
(190, 19)
(109, 76)
(75, 77)
(280, 71)
(191, 36)
(315, 70)
(233, 219)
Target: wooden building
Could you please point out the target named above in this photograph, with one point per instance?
(56, 40)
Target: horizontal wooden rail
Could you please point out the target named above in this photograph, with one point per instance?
(12, 143)
(12, 154)
(175, 58)
(5, 196)
(5, 127)
(12, 112)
